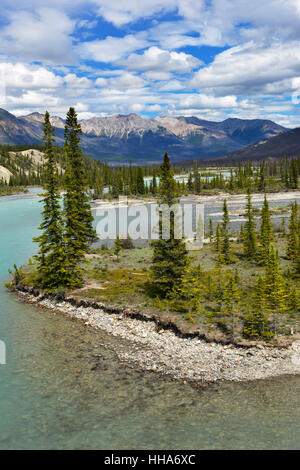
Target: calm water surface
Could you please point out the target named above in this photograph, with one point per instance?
(64, 388)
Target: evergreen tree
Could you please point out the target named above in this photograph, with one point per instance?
(79, 232)
(293, 300)
(266, 233)
(262, 183)
(211, 231)
(293, 234)
(276, 296)
(236, 277)
(249, 229)
(231, 296)
(140, 185)
(190, 183)
(256, 323)
(154, 182)
(170, 257)
(218, 238)
(197, 179)
(51, 254)
(188, 294)
(225, 243)
(118, 247)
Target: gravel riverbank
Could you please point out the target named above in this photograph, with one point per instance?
(190, 359)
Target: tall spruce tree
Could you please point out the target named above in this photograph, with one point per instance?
(51, 257)
(170, 256)
(276, 295)
(250, 244)
(293, 234)
(140, 185)
(211, 231)
(79, 232)
(188, 294)
(225, 243)
(197, 179)
(266, 234)
(256, 322)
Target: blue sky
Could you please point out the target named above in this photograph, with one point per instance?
(208, 58)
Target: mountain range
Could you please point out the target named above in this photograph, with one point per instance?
(121, 138)
(286, 144)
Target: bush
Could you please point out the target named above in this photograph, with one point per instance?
(127, 243)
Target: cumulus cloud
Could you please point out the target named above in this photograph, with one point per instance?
(77, 82)
(19, 75)
(43, 36)
(250, 68)
(159, 60)
(202, 101)
(125, 81)
(112, 49)
(121, 13)
(147, 71)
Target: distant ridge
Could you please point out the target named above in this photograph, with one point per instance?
(282, 145)
(123, 138)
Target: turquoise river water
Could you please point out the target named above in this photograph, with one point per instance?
(45, 403)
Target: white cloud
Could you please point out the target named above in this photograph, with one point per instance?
(158, 60)
(137, 107)
(112, 49)
(125, 81)
(19, 75)
(263, 60)
(77, 82)
(32, 98)
(120, 13)
(200, 101)
(44, 36)
(171, 85)
(249, 68)
(157, 75)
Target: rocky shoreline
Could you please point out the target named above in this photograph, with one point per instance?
(162, 350)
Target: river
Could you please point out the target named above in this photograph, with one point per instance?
(62, 386)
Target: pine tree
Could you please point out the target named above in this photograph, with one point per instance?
(170, 257)
(118, 247)
(220, 289)
(231, 296)
(190, 183)
(256, 323)
(79, 232)
(266, 234)
(276, 296)
(282, 227)
(51, 254)
(262, 182)
(225, 243)
(188, 294)
(236, 277)
(293, 234)
(197, 179)
(249, 229)
(154, 182)
(211, 231)
(293, 300)
(140, 185)
(218, 238)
